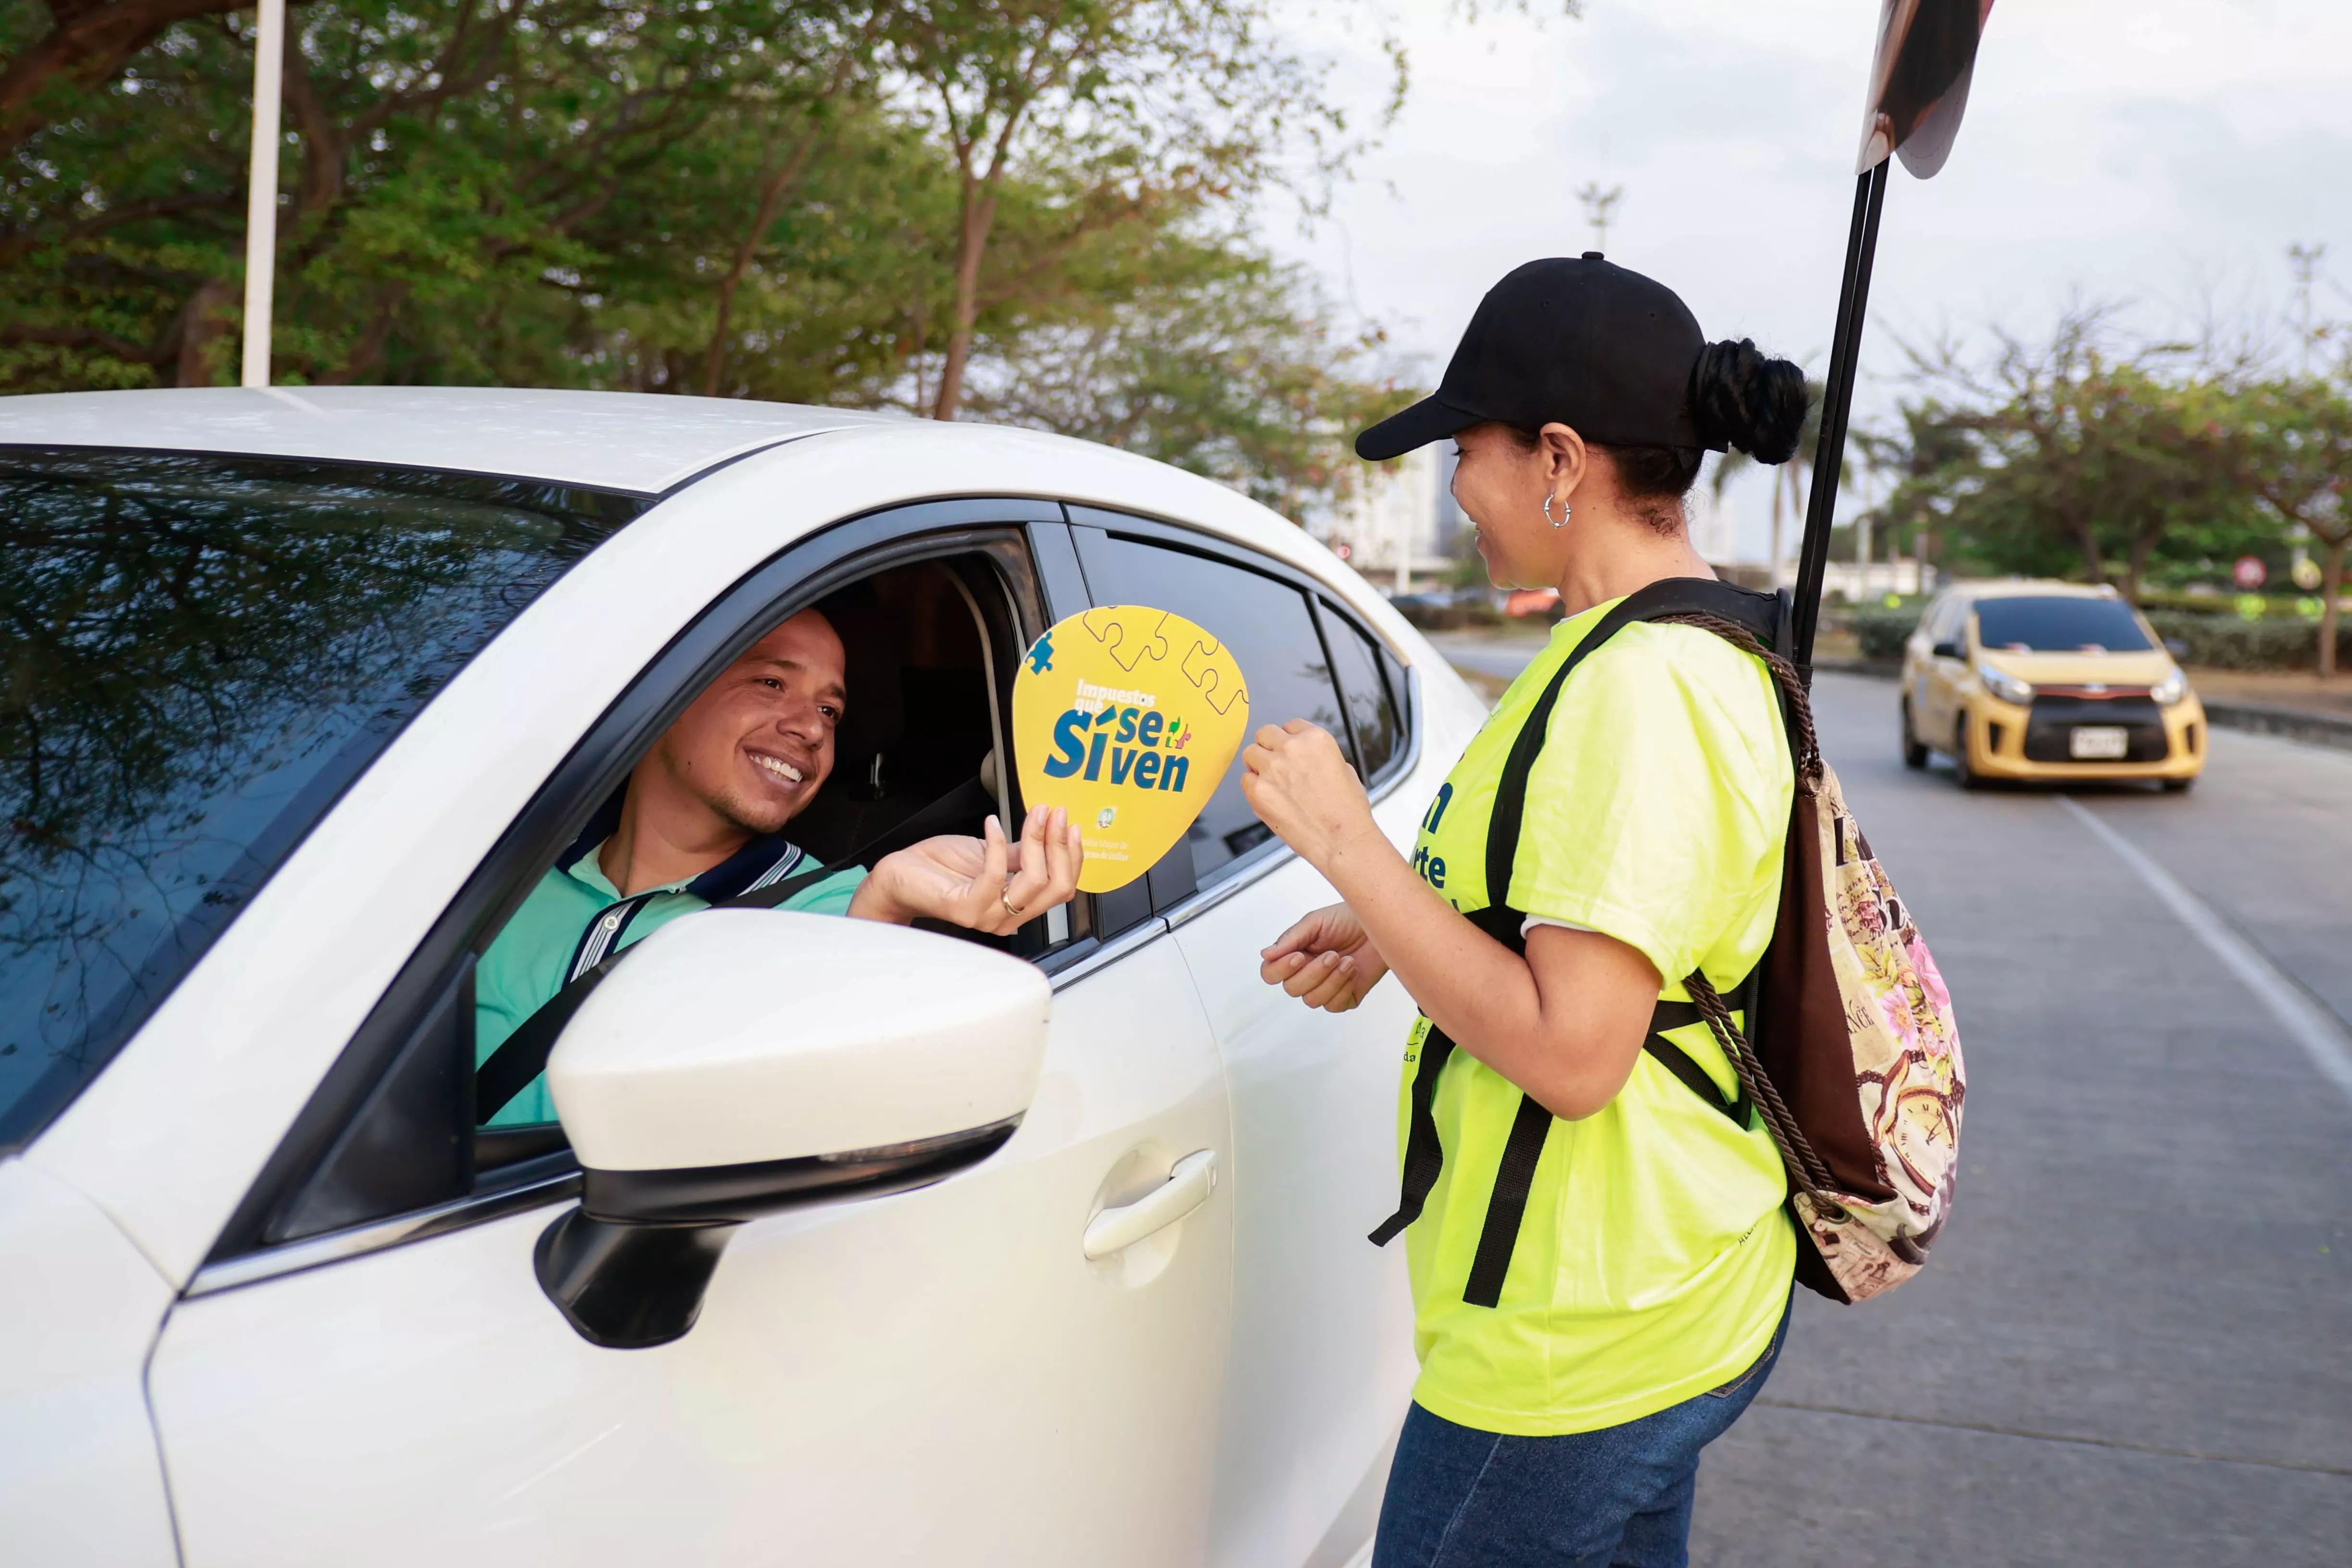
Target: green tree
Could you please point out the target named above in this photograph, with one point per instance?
(2073, 452)
(783, 199)
(1147, 99)
(1240, 370)
(2293, 438)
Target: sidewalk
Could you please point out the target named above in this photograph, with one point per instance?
(2297, 705)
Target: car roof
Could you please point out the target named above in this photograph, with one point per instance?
(643, 444)
(636, 442)
(2031, 587)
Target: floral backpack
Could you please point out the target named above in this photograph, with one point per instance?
(1854, 1065)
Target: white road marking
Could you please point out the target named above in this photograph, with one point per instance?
(2311, 1026)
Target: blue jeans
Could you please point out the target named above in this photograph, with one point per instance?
(1617, 1498)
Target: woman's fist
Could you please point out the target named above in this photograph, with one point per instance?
(1298, 781)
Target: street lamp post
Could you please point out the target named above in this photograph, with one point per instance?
(261, 197)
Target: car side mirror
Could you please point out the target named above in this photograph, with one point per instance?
(1948, 651)
(2177, 648)
(743, 1061)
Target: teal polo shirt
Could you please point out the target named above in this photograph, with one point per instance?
(574, 917)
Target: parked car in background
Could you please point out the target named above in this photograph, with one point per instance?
(309, 687)
(2047, 680)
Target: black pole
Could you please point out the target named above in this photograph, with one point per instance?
(1837, 400)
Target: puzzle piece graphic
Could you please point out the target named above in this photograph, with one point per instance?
(1041, 657)
(1211, 679)
(1120, 628)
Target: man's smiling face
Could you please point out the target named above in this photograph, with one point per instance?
(757, 745)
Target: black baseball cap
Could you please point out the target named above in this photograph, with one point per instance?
(1578, 340)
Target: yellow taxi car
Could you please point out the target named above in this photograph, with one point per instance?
(2055, 681)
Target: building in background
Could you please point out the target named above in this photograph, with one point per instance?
(1401, 529)
(1859, 582)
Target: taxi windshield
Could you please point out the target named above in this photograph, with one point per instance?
(197, 654)
(2059, 625)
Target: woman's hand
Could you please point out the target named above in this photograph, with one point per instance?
(1296, 780)
(982, 884)
(1326, 961)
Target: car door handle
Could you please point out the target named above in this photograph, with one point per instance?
(1188, 1186)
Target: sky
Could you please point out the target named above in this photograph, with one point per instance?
(2158, 157)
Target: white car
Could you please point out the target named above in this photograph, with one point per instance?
(905, 1251)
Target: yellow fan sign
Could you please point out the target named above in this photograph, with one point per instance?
(1127, 717)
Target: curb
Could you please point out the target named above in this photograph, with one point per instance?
(2293, 723)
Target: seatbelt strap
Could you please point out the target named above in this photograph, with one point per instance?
(522, 1056)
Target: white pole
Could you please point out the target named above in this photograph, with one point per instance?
(261, 197)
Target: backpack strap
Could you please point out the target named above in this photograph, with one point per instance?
(1678, 1061)
(1531, 1123)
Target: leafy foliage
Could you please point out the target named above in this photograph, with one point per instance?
(1033, 207)
(2078, 456)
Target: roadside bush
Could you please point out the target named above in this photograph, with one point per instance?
(2225, 642)
(1881, 633)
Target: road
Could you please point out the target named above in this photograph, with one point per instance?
(2134, 1343)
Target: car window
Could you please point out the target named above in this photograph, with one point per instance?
(2058, 624)
(1266, 625)
(1371, 709)
(200, 653)
(924, 657)
(392, 1129)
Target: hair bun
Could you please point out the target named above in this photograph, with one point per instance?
(1743, 398)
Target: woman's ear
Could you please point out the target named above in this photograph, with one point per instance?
(1567, 460)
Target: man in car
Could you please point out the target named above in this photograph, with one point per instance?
(702, 819)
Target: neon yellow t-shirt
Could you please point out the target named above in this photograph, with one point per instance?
(1654, 1259)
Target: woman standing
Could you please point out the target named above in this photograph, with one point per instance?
(1575, 1355)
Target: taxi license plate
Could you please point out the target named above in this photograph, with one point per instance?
(2098, 743)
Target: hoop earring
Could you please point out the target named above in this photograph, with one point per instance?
(1564, 512)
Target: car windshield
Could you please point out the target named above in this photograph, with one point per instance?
(197, 654)
(2059, 625)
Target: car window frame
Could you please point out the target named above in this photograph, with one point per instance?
(1016, 533)
(1178, 906)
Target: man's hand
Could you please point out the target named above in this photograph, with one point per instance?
(982, 884)
(1299, 784)
(1326, 959)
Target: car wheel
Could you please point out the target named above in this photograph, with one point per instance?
(2179, 786)
(1914, 755)
(1965, 775)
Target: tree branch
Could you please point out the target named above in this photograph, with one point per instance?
(87, 42)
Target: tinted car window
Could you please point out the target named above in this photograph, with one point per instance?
(2057, 624)
(1370, 711)
(198, 654)
(1272, 635)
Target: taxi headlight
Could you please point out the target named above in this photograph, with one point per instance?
(2005, 686)
(2170, 689)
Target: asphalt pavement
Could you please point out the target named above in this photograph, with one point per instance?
(2133, 1345)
